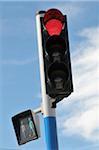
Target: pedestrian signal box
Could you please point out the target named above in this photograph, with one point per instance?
(26, 127)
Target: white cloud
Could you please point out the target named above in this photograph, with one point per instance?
(85, 124)
(83, 104)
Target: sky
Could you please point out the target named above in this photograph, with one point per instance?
(77, 115)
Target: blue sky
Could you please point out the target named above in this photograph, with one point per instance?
(78, 115)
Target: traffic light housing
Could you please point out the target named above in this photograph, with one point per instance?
(56, 54)
(26, 127)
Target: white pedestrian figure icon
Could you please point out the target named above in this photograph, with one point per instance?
(31, 126)
(22, 131)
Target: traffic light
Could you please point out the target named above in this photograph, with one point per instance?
(26, 127)
(56, 54)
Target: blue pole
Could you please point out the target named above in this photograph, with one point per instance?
(51, 133)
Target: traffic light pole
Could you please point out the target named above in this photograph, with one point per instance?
(48, 111)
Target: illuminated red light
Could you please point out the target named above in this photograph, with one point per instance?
(54, 27)
(53, 21)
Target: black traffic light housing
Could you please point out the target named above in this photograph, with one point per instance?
(56, 55)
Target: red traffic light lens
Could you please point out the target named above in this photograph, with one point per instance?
(53, 21)
(54, 27)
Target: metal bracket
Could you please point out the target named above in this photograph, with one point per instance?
(38, 110)
(53, 102)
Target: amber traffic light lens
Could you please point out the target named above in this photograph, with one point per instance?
(55, 44)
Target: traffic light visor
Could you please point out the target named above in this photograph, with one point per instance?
(53, 21)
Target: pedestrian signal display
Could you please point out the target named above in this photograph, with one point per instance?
(25, 127)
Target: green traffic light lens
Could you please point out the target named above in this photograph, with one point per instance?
(58, 75)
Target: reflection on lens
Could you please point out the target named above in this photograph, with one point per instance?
(58, 83)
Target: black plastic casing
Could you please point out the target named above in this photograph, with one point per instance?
(50, 89)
